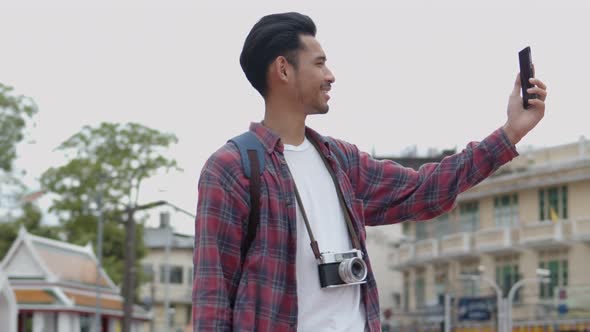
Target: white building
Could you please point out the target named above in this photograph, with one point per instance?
(8, 309)
(176, 291)
(55, 286)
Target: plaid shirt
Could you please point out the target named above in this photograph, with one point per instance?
(262, 296)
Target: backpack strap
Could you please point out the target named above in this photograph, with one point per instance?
(246, 142)
(252, 154)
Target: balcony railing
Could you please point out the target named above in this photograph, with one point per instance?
(456, 245)
(496, 239)
(545, 233)
(581, 229)
(426, 250)
(403, 256)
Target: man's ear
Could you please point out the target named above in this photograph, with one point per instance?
(281, 68)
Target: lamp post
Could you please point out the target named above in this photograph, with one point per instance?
(169, 240)
(496, 288)
(542, 277)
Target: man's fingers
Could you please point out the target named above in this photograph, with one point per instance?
(516, 90)
(541, 93)
(538, 83)
(537, 103)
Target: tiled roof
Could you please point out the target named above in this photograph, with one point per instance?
(69, 265)
(90, 301)
(35, 296)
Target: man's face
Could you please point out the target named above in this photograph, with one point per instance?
(313, 79)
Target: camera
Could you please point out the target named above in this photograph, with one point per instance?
(342, 269)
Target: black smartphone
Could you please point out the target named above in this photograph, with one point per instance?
(526, 72)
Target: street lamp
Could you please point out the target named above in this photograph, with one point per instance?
(494, 285)
(542, 277)
(169, 236)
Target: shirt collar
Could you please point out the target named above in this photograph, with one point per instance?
(271, 140)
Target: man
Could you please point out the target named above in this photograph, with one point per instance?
(277, 285)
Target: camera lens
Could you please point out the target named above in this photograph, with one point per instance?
(352, 270)
(357, 270)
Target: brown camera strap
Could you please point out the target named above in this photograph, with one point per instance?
(346, 211)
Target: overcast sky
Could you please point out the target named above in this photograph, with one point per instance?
(435, 74)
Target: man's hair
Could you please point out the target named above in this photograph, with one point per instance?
(274, 35)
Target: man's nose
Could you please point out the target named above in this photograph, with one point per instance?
(330, 76)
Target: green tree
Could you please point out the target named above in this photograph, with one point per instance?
(14, 112)
(111, 160)
(31, 220)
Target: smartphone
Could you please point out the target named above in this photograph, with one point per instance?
(526, 72)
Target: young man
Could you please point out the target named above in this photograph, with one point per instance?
(276, 287)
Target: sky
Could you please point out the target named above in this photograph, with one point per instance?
(429, 74)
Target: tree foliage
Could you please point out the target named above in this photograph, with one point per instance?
(31, 220)
(14, 112)
(110, 161)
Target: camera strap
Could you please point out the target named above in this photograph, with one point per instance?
(347, 213)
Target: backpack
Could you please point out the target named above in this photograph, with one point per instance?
(252, 153)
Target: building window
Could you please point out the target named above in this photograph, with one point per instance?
(420, 290)
(442, 224)
(25, 321)
(507, 274)
(148, 272)
(406, 291)
(469, 216)
(421, 230)
(469, 287)
(190, 275)
(557, 264)
(85, 323)
(506, 210)
(397, 299)
(406, 228)
(189, 315)
(553, 203)
(175, 274)
(440, 282)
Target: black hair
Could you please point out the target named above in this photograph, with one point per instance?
(272, 36)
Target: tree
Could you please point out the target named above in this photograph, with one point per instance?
(14, 111)
(111, 160)
(31, 220)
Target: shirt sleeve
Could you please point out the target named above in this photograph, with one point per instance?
(221, 212)
(392, 193)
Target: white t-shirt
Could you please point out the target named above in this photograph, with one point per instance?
(321, 310)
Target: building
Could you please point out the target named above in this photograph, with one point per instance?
(56, 285)
(177, 290)
(389, 282)
(532, 213)
(381, 242)
(8, 308)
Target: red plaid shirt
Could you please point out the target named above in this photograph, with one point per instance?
(263, 296)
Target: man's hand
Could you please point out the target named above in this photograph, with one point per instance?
(520, 120)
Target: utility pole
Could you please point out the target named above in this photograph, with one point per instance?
(97, 318)
(165, 221)
(129, 270)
